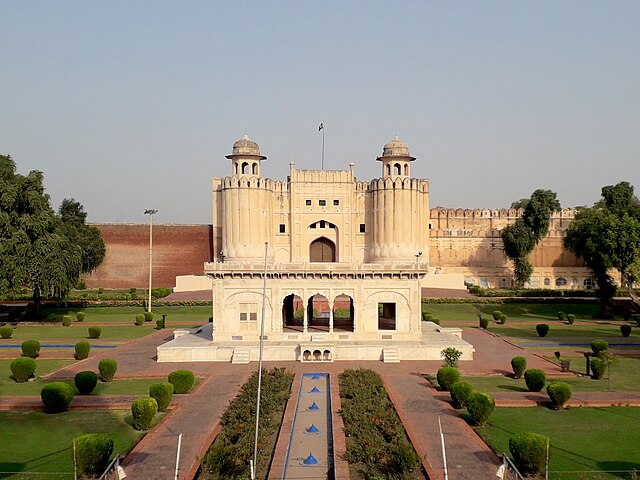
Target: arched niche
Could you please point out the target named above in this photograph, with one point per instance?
(323, 250)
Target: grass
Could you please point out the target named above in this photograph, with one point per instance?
(43, 366)
(594, 440)
(533, 312)
(77, 331)
(39, 442)
(196, 314)
(560, 330)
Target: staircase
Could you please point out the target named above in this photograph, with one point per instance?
(390, 355)
(241, 355)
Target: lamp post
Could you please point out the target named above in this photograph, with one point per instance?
(418, 255)
(150, 212)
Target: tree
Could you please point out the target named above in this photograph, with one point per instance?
(522, 203)
(521, 237)
(607, 236)
(36, 248)
(85, 236)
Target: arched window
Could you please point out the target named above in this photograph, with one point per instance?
(235, 165)
(322, 250)
(547, 282)
(561, 282)
(388, 169)
(245, 167)
(397, 169)
(406, 169)
(254, 168)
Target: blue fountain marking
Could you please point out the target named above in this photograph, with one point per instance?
(310, 460)
(56, 345)
(315, 390)
(314, 407)
(313, 429)
(315, 376)
(568, 344)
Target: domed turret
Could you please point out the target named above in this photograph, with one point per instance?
(246, 157)
(395, 159)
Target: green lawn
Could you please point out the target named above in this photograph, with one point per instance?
(77, 331)
(558, 330)
(594, 440)
(197, 314)
(41, 442)
(43, 366)
(131, 386)
(625, 377)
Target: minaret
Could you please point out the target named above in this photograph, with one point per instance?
(246, 204)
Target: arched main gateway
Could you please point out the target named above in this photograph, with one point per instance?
(343, 271)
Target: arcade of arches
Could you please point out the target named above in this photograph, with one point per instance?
(319, 315)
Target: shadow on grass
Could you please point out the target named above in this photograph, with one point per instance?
(513, 388)
(619, 469)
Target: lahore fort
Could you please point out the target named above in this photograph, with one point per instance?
(343, 262)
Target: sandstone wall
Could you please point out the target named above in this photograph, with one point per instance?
(177, 250)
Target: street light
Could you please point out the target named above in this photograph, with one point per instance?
(418, 255)
(150, 212)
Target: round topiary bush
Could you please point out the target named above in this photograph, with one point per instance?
(625, 330)
(484, 322)
(562, 316)
(23, 369)
(571, 318)
(182, 381)
(503, 319)
(139, 319)
(85, 382)
(519, 365)
(496, 315)
(93, 451)
(535, 379)
(57, 396)
(143, 410)
(598, 346)
(94, 332)
(66, 320)
(158, 324)
(529, 451)
(107, 368)
(460, 391)
(82, 350)
(447, 376)
(559, 393)
(148, 316)
(30, 348)
(80, 316)
(480, 407)
(6, 331)
(542, 329)
(598, 367)
(163, 393)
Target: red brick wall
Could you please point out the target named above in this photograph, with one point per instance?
(177, 250)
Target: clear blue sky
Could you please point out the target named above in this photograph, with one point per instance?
(132, 105)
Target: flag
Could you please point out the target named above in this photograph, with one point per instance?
(321, 127)
(501, 471)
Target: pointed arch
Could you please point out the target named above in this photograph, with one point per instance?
(322, 250)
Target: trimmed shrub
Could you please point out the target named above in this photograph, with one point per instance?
(496, 315)
(30, 348)
(80, 316)
(107, 368)
(529, 452)
(559, 393)
(163, 393)
(503, 319)
(535, 379)
(139, 319)
(100, 291)
(519, 365)
(598, 346)
(6, 331)
(451, 356)
(93, 451)
(182, 381)
(158, 324)
(82, 350)
(571, 318)
(133, 290)
(85, 382)
(94, 332)
(484, 322)
(598, 367)
(480, 407)
(460, 391)
(562, 316)
(143, 410)
(542, 329)
(447, 376)
(57, 396)
(625, 330)
(23, 369)
(148, 316)
(66, 320)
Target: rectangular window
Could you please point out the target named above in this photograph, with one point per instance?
(282, 229)
(321, 223)
(307, 202)
(386, 316)
(322, 203)
(336, 202)
(362, 228)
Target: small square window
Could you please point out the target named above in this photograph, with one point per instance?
(307, 202)
(362, 228)
(282, 228)
(321, 223)
(322, 203)
(336, 202)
